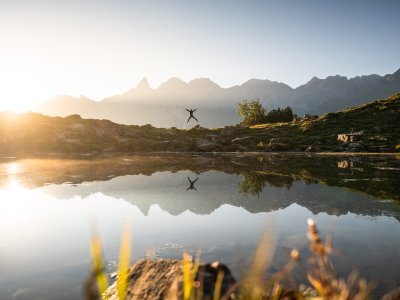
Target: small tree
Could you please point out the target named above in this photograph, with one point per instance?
(252, 112)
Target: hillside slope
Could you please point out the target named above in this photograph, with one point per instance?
(34, 133)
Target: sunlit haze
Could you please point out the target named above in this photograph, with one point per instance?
(102, 48)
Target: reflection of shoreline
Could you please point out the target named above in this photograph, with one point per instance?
(258, 169)
(216, 189)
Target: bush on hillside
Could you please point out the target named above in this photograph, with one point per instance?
(254, 113)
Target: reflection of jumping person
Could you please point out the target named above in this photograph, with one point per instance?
(192, 187)
(191, 111)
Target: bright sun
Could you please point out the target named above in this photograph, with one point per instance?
(22, 85)
(15, 106)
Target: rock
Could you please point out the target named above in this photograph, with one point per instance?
(281, 140)
(72, 141)
(351, 137)
(344, 164)
(207, 146)
(356, 146)
(147, 126)
(197, 127)
(310, 149)
(228, 131)
(76, 127)
(280, 144)
(242, 140)
(387, 150)
(163, 279)
(377, 128)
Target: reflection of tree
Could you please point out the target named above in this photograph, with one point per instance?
(254, 182)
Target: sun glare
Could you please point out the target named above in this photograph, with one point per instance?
(17, 106)
(22, 86)
(12, 169)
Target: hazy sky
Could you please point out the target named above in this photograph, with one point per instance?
(100, 48)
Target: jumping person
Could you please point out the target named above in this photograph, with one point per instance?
(191, 111)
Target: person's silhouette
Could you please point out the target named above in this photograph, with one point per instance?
(192, 187)
(191, 111)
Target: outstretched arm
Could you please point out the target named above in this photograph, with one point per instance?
(187, 110)
(195, 109)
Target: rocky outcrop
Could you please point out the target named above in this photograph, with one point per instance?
(163, 279)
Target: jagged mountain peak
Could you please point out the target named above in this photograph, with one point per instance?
(143, 84)
(395, 77)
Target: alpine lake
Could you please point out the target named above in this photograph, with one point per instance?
(217, 205)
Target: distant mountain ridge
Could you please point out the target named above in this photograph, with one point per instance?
(165, 105)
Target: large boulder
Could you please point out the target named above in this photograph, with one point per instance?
(280, 144)
(163, 279)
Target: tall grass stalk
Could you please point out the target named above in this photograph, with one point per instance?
(123, 264)
(98, 268)
(253, 286)
(218, 286)
(190, 270)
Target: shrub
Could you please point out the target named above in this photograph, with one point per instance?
(252, 112)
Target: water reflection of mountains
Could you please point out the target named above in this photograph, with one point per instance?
(260, 182)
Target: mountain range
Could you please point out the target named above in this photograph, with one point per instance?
(165, 105)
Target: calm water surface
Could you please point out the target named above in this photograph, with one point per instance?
(49, 205)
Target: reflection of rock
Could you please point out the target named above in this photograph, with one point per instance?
(343, 164)
(279, 147)
(311, 149)
(242, 148)
(357, 146)
(149, 279)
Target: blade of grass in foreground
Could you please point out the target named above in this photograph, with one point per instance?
(98, 265)
(123, 265)
(253, 287)
(187, 281)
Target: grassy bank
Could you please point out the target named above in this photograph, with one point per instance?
(37, 134)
